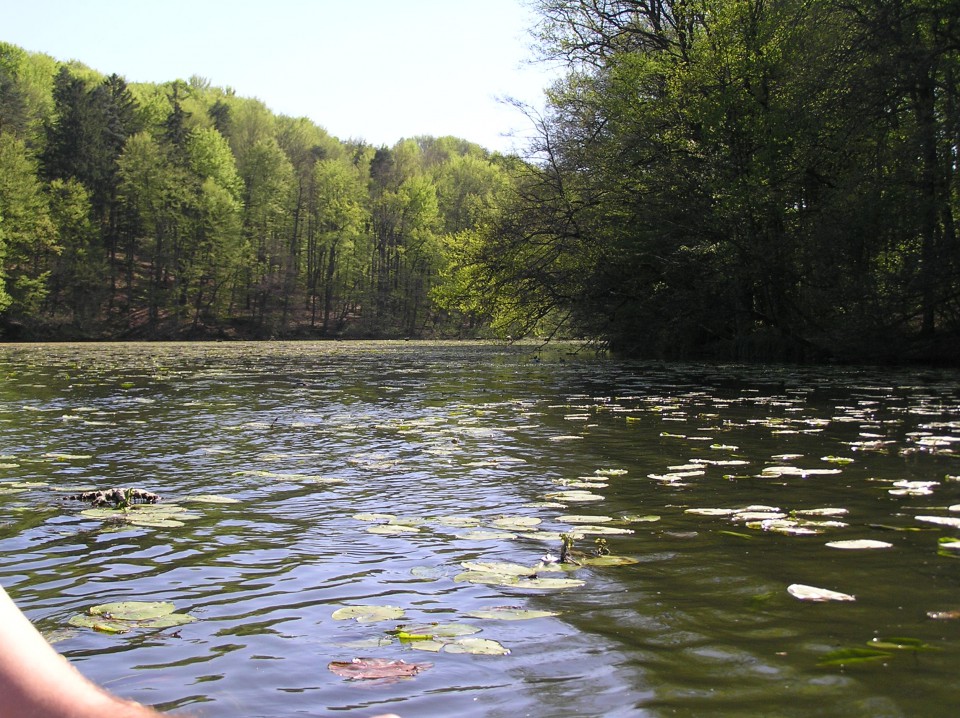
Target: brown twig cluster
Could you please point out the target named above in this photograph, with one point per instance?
(117, 497)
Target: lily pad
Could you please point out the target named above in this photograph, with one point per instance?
(211, 499)
(476, 646)
(368, 614)
(639, 518)
(574, 496)
(856, 544)
(486, 578)
(158, 522)
(608, 560)
(892, 643)
(432, 631)
(503, 568)
(942, 520)
(481, 535)
(580, 519)
(549, 583)
(851, 656)
(133, 610)
(602, 530)
(516, 523)
(393, 529)
(812, 593)
(427, 645)
(462, 522)
(125, 616)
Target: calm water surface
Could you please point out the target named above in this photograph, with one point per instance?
(450, 439)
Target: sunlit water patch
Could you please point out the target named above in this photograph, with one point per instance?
(479, 530)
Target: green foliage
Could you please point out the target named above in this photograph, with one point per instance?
(738, 178)
(725, 178)
(28, 232)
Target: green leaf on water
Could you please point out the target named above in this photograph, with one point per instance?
(481, 535)
(515, 523)
(368, 614)
(951, 521)
(98, 623)
(608, 560)
(102, 513)
(148, 522)
(852, 656)
(485, 577)
(574, 496)
(812, 593)
(430, 631)
(837, 459)
(393, 530)
(211, 499)
(498, 567)
(639, 518)
(462, 522)
(736, 534)
(407, 521)
(477, 647)
(602, 530)
(859, 544)
(133, 610)
(428, 645)
(373, 517)
(124, 616)
(581, 519)
(549, 583)
(900, 643)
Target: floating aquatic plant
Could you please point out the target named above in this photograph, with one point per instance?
(812, 593)
(125, 616)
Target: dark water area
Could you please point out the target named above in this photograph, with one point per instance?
(367, 474)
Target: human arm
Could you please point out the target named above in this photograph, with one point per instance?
(37, 682)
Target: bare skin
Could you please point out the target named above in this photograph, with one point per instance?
(37, 682)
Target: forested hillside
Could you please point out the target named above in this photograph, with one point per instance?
(745, 179)
(185, 210)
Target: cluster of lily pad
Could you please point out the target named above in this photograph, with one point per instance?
(435, 637)
(549, 573)
(159, 515)
(126, 616)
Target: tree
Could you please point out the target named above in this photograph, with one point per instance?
(219, 251)
(269, 189)
(28, 233)
(76, 279)
(337, 218)
(154, 192)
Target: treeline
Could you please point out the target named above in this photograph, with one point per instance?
(743, 179)
(183, 210)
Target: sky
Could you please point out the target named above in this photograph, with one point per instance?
(376, 70)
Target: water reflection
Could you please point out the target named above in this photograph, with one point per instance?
(306, 437)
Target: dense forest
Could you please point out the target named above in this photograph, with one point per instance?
(743, 179)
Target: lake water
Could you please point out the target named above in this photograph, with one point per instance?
(730, 480)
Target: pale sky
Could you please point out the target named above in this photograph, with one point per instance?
(377, 70)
